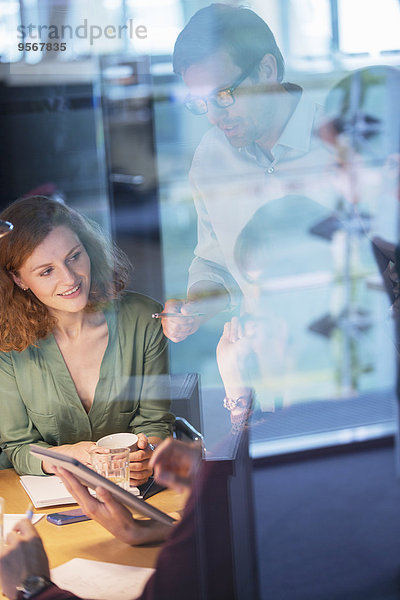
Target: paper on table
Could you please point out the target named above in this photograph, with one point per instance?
(100, 580)
(12, 519)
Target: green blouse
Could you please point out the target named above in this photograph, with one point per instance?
(39, 402)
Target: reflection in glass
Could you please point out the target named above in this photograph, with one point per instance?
(5, 227)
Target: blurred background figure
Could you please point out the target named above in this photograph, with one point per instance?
(267, 347)
(261, 147)
(362, 128)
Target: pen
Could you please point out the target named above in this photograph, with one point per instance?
(29, 512)
(166, 314)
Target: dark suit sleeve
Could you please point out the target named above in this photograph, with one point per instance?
(196, 561)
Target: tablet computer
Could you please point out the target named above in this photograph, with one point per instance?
(92, 479)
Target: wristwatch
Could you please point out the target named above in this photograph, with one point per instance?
(242, 401)
(231, 403)
(32, 585)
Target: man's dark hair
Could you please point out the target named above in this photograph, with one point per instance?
(238, 31)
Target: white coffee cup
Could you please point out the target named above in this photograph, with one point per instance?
(119, 440)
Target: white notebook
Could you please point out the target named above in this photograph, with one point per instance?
(50, 491)
(46, 491)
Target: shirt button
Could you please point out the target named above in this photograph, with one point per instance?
(270, 170)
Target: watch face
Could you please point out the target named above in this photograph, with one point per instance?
(32, 585)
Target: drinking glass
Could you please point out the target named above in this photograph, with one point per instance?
(112, 463)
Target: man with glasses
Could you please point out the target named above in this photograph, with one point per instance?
(261, 147)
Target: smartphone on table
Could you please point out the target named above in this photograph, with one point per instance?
(67, 516)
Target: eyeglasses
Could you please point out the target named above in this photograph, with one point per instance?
(222, 99)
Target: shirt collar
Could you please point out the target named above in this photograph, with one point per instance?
(298, 131)
(295, 139)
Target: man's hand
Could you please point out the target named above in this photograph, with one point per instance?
(139, 468)
(112, 515)
(24, 555)
(205, 299)
(236, 345)
(180, 327)
(175, 463)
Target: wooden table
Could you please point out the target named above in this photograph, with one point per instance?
(87, 539)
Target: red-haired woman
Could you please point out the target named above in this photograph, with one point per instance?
(79, 359)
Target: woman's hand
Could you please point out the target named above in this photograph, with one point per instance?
(139, 460)
(24, 555)
(112, 515)
(175, 463)
(80, 451)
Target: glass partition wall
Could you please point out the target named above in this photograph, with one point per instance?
(256, 195)
(323, 363)
(309, 297)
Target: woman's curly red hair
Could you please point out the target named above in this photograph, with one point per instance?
(23, 318)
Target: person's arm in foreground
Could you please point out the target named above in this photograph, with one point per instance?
(174, 464)
(24, 554)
